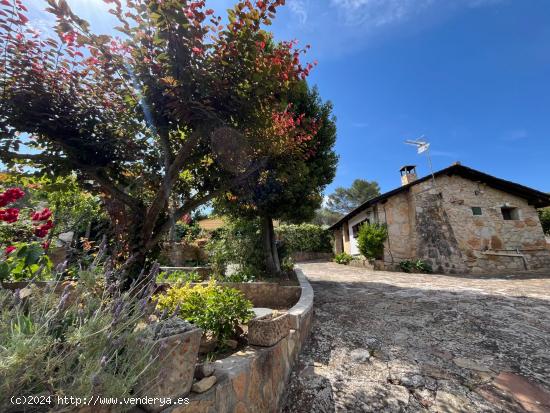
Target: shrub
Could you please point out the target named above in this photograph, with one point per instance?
(84, 341)
(238, 242)
(213, 308)
(236, 277)
(304, 238)
(287, 264)
(370, 240)
(544, 215)
(417, 265)
(179, 276)
(343, 258)
(187, 232)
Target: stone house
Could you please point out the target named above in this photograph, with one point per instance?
(459, 219)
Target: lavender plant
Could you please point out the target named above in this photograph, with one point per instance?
(78, 339)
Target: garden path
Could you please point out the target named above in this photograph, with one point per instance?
(397, 342)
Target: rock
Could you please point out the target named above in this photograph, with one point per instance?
(268, 330)
(262, 312)
(203, 385)
(203, 370)
(208, 344)
(232, 344)
(413, 381)
(397, 398)
(170, 327)
(176, 360)
(25, 292)
(470, 364)
(373, 343)
(360, 355)
(449, 403)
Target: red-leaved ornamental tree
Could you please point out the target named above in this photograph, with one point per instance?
(176, 110)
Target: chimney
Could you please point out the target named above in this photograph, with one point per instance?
(408, 174)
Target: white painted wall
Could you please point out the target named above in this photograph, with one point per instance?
(352, 222)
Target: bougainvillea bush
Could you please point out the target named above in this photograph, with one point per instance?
(178, 109)
(23, 238)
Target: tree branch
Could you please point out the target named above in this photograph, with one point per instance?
(195, 202)
(189, 206)
(168, 182)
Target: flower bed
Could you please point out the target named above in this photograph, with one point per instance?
(254, 379)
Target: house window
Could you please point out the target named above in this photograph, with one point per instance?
(477, 211)
(510, 213)
(356, 227)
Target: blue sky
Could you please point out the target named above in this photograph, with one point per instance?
(471, 75)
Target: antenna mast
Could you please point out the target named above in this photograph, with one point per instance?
(422, 145)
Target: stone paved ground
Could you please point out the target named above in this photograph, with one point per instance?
(391, 342)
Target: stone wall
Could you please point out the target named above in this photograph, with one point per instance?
(311, 256)
(262, 294)
(254, 379)
(435, 240)
(178, 253)
(488, 242)
(396, 213)
(338, 241)
(268, 295)
(438, 225)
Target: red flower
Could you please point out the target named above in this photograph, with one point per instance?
(42, 230)
(9, 215)
(41, 216)
(197, 50)
(9, 249)
(45, 245)
(10, 195)
(209, 12)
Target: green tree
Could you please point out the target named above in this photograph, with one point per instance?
(344, 200)
(289, 187)
(544, 215)
(177, 112)
(325, 217)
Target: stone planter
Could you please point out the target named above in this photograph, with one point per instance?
(177, 357)
(268, 330)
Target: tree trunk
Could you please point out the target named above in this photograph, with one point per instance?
(275, 253)
(272, 265)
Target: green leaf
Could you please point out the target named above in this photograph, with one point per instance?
(4, 270)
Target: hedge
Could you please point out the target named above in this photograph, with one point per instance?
(304, 238)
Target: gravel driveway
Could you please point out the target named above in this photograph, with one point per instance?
(392, 342)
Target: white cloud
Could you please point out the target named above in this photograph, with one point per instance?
(299, 9)
(377, 13)
(515, 135)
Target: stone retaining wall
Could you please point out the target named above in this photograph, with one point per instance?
(254, 380)
(312, 256)
(262, 294)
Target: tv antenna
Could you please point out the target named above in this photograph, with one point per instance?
(423, 146)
